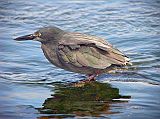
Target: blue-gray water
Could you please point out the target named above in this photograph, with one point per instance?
(133, 26)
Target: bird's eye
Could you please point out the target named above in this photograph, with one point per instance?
(37, 34)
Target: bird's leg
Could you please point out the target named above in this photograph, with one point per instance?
(91, 77)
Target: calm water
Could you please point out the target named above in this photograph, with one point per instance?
(27, 78)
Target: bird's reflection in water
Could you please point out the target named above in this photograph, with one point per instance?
(89, 99)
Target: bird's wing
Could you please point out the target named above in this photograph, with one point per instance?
(83, 50)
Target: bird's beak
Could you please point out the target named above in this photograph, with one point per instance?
(26, 37)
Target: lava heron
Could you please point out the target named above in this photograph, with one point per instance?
(78, 52)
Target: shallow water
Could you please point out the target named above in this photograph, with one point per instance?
(27, 77)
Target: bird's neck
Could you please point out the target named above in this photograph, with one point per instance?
(54, 38)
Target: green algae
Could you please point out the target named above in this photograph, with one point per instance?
(91, 98)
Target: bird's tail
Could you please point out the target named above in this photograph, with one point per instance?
(128, 61)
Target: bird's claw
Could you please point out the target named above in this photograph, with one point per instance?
(89, 79)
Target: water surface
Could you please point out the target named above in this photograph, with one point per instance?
(27, 77)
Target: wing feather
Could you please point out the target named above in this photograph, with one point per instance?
(89, 51)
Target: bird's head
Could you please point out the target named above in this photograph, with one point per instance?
(42, 35)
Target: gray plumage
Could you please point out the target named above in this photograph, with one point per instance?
(78, 52)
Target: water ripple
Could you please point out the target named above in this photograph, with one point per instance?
(134, 31)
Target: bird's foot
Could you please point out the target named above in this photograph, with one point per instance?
(89, 79)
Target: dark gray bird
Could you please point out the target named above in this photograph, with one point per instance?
(77, 52)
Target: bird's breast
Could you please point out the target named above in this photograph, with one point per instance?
(50, 53)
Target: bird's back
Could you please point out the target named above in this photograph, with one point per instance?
(87, 54)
